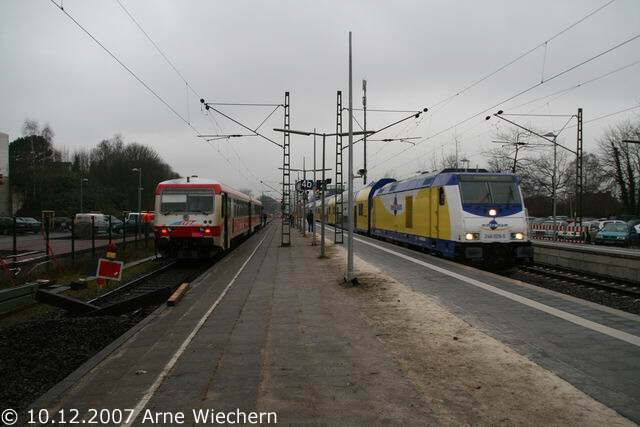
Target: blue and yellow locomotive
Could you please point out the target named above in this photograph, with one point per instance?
(460, 214)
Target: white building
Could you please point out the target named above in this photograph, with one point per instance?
(5, 192)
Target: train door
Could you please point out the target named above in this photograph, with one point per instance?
(249, 205)
(433, 218)
(355, 216)
(427, 201)
(441, 201)
(225, 215)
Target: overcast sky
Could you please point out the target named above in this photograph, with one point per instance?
(412, 53)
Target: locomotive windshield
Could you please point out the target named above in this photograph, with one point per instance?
(489, 189)
(181, 201)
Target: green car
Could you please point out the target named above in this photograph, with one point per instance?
(617, 234)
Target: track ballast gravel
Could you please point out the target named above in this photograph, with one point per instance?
(37, 354)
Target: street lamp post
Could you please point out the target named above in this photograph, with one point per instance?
(554, 181)
(82, 181)
(139, 170)
(350, 177)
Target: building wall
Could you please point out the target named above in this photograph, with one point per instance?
(5, 207)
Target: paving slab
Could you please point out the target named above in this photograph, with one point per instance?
(276, 342)
(599, 364)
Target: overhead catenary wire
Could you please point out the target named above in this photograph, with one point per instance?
(126, 67)
(378, 110)
(581, 84)
(188, 85)
(160, 51)
(209, 107)
(520, 93)
(138, 78)
(523, 55)
(245, 104)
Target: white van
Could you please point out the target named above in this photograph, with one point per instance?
(82, 224)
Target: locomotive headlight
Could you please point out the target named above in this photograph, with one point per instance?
(468, 236)
(493, 212)
(517, 236)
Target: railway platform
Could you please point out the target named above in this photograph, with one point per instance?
(593, 347)
(271, 330)
(605, 261)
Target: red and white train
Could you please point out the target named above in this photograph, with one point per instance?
(197, 218)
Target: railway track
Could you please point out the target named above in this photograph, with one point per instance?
(602, 283)
(151, 288)
(602, 290)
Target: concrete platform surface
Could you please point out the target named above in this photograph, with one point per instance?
(271, 330)
(595, 348)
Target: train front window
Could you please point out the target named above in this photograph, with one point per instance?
(475, 192)
(504, 192)
(489, 189)
(185, 201)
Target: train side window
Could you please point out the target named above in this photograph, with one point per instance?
(408, 219)
(441, 196)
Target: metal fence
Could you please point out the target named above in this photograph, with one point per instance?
(23, 243)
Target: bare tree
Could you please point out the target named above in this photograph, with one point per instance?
(30, 127)
(537, 174)
(515, 149)
(621, 162)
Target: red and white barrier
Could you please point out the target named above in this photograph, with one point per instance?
(571, 233)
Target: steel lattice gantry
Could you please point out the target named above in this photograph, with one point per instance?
(339, 228)
(579, 171)
(286, 177)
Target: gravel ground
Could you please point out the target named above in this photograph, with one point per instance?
(37, 354)
(631, 305)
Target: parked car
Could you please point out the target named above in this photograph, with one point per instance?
(617, 233)
(30, 224)
(143, 217)
(61, 223)
(115, 223)
(129, 226)
(596, 226)
(6, 225)
(83, 222)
